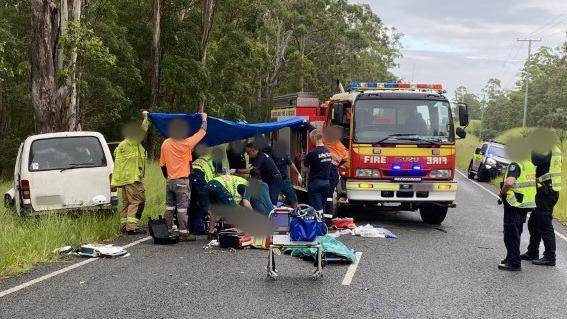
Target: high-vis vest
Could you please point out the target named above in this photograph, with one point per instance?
(205, 165)
(231, 183)
(525, 185)
(554, 174)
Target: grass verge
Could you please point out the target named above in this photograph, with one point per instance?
(27, 242)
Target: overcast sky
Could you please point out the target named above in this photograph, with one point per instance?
(467, 42)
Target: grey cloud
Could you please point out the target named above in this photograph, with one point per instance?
(483, 34)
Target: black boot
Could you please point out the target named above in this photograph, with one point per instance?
(528, 256)
(509, 267)
(544, 262)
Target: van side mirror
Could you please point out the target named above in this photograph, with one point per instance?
(337, 113)
(463, 114)
(461, 132)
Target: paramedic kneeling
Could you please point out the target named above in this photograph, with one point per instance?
(318, 164)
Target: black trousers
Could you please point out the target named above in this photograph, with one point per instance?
(540, 226)
(514, 219)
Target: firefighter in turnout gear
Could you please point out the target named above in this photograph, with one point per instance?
(203, 171)
(128, 174)
(518, 194)
(540, 225)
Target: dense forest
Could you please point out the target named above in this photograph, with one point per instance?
(95, 64)
(501, 109)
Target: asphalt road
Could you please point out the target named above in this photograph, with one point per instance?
(429, 272)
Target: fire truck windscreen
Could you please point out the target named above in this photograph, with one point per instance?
(376, 120)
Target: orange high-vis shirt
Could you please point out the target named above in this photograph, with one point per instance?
(338, 151)
(176, 155)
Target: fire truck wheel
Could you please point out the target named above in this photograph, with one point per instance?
(432, 214)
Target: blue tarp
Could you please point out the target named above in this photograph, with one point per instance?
(222, 131)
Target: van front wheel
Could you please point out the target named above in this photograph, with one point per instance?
(433, 214)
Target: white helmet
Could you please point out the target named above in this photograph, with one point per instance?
(100, 200)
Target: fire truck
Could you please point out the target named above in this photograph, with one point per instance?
(401, 144)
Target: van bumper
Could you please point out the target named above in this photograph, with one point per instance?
(386, 191)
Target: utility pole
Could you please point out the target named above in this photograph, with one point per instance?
(482, 108)
(529, 41)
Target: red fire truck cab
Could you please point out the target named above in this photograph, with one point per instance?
(401, 142)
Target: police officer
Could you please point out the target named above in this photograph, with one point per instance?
(540, 224)
(518, 195)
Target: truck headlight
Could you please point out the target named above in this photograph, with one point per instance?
(440, 173)
(491, 161)
(367, 172)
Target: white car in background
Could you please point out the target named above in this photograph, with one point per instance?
(62, 171)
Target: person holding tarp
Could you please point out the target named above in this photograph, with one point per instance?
(175, 161)
(129, 170)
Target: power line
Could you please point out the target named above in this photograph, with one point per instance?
(529, 41)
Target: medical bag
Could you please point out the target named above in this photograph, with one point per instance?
(306, 224)
(160, 233)
(234, 238)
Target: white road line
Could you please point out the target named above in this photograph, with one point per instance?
(61, 271)
(560, 235)
(351, 270)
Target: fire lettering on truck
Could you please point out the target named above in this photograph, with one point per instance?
(375, 159)
(436, 160)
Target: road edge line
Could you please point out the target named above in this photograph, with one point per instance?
(351, 270)
(558, 234)
(61, 271)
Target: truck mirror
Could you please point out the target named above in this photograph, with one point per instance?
(461, 132)
(337, 114)
(463, 114)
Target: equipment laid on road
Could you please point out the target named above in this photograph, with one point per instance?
(234, 238)
(282, 240)
(160, 233)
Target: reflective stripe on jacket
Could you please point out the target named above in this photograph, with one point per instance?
(205, 165)
(231, 183)
(554, 174)
(129, 161)
(525, 185)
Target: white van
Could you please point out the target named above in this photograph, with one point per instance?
(62, 171)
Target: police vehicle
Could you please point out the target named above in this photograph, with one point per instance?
(489, 161)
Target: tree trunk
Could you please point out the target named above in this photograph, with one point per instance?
(156, 54)
(206, 25)
(44, 34)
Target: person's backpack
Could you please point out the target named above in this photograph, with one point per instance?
(306, 224)
(160, 233)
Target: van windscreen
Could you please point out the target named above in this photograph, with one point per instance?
(66, 153)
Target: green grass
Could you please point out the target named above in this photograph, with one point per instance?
(465, 150)
(27, 242)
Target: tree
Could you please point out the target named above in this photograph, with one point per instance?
(156, 53)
